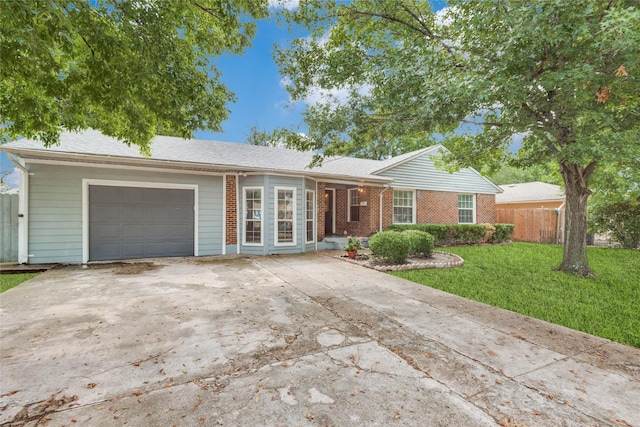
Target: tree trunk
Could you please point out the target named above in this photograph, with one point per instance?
(574, 258)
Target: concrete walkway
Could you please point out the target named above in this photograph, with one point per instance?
(292, 340)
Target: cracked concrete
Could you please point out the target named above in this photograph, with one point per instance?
(292, 340)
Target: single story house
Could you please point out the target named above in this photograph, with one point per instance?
(93, 198)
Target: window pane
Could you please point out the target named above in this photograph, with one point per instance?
(402, 206)
(285, 216)
(253, 216)
(309, 215)
(465, 208)
(309, 231)
(285, 231)
(354, 213)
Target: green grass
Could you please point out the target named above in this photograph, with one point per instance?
(519, 277)
(8, 281)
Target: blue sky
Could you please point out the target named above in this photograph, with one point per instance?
(254, 78)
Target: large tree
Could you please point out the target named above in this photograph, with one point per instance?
(126, 67)
(561, 76)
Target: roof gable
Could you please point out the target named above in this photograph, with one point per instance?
(418, 170)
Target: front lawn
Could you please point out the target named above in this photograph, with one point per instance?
(519, 277)
(8, 281)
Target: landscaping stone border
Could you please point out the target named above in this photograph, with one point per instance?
(437, 260)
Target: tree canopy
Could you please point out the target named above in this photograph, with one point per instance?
(561, 76)
(125, 67)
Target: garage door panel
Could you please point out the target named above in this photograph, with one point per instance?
(179, 229)
(109, 250)
(131, 222)
(136, 213)
(107, 213)
(134, 250)
(108, 232)
(133, 232)
(180, 247)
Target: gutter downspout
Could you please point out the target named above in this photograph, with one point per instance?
(386, 187)
(237, 214)
(23, 211)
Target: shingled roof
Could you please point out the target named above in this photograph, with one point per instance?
(93, 146)
(529, 192)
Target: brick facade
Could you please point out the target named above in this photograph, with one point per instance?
(321, 208)
(432, 207)
(485, 208)
(231, 211)
(436, 207)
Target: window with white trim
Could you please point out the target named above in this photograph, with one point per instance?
(354, 204)
(466, 209)
(253, 215)
(285, 201)
(403, 203)
(310, 215)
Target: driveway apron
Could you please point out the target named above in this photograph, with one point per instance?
(292, 340)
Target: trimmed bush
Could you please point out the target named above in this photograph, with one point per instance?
(420, 242)
(460, 234)
(503, 233)
(448, 234)
(390, 246)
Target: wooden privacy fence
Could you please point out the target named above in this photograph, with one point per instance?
(534, 225)
(9, 220)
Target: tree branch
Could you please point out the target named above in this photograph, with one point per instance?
(472, 122)
(207, 10)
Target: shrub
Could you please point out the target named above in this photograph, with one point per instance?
(448, 234)
(420, 242)
(503, 233)
(621, 219)
(390, 246)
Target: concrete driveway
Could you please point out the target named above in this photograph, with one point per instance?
(292, 341)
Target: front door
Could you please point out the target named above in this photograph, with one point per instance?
(329, 209)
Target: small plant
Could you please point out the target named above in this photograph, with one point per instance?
(420, 243)
(353, 244)
(390, 246)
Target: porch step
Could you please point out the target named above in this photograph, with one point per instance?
(333, 242)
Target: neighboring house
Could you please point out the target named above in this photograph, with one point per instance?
(535, 208)
(530, 195)
(94, 198)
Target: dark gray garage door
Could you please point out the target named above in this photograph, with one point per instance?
(127, 222)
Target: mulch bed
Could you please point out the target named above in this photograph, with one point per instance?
(437, 260)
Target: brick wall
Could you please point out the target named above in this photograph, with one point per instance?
(485, 208)
(320, 203)
(436, 207)
(231, 211)
(341, 211)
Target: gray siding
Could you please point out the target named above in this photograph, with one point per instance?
(269, 182)
(55, 208)
(422, 173)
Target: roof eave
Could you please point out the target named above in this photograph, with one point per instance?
(181, 165)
